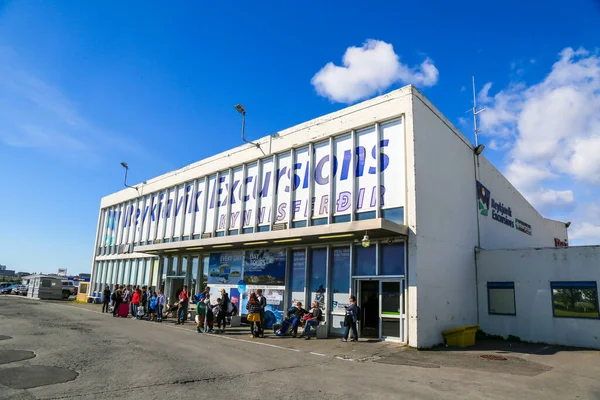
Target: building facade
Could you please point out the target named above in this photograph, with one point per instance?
(292, 215)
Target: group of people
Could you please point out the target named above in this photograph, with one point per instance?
(143, 302)
(298, 316)
(140, 301)
(207, 313)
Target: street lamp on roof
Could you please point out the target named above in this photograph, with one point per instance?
(240, 108)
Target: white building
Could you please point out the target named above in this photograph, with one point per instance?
(401, 174)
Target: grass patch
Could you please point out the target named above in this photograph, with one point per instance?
(578, 314)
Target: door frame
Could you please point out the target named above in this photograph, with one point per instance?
(356, 286)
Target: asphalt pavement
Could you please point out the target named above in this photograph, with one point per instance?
(62, 351)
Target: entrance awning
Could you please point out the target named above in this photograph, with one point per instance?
(322, 234)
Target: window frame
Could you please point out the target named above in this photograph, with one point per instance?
(575, 285)
(501, 285)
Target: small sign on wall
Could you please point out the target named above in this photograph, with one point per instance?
(560, 243)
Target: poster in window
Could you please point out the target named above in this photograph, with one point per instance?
(264, 267)
(225, 268)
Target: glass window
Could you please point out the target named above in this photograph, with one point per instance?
(146, 272)
(140, 275)
(366, 215)
(184, 263)
(341, 218)
(318, 277)
(298, 276)
(392, 258)
(575, 299)
(340, 278)
(390, 327)
(390, 298)
(205, 264)
(319, 221)
(501, 298)
(172, 266)
(299, 224)
(195, 284)
(394, 214)
(364, 260)
(127, 278)
(134, 271)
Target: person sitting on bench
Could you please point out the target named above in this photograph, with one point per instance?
(314, 317)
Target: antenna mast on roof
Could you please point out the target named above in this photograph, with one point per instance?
(475, 112)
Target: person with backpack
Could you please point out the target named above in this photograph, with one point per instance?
(117, 298)
(208, 321)
(224, 309)
(105, 298)
(160, 304)
(141, 308)
(253, 307)
(200, 314)
(152, 307)
(135, 302)
(352, 315)
(263, 304)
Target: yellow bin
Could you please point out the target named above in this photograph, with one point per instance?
(461, 337)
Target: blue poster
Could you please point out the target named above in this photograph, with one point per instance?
(273, 311)
(265, 267)
(225, 268)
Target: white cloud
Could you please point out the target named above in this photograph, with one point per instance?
(552, 131)
(369, 70)
(585, 233)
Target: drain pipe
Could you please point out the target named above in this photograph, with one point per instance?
(478, 247)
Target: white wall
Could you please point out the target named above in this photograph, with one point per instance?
(496, 235)
(532, 270)
(441, 255)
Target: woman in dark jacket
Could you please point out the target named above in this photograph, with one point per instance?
(350, 320)
(105, 299)
(223, 307)
(254, 308)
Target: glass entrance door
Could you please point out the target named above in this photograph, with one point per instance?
(391, 310)
(368, 301)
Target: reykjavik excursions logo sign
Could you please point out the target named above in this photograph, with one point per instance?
(500, 212)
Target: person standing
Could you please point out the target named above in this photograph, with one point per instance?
(201, 313)
(352, 314)
(143, 302)
(208, 321)
(262, 300)
(160, 304)
(118, 297)
(313, 320)
(254, 308)
(105, 299)
(183, 303)
(223, 310)
(135, 302)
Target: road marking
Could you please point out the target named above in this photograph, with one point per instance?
(317, 354)
(345, 359)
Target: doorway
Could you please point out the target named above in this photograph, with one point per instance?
(368, 301)
(174, 285)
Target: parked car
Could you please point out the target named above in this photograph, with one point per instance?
(20, 290)
(69, 289)
(6, 288)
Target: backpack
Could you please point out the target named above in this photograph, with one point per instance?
(153, 303)
(229, 307)
(113, 296)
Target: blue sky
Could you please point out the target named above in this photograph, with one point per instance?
(85, 85)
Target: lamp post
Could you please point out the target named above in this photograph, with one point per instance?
(124, 165)
(240, 108)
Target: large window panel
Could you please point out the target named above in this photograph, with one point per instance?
(318, 276)
(501, 298)
(575, 299)
(298, 276)
(365, 260)
(392, 258)
(340, 278)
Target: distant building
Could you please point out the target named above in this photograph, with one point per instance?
(7, 273)
(2, 267)
(85, 276)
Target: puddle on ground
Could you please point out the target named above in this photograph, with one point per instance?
(32, 376)
(9, 356)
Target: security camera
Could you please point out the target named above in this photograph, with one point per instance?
(390, 240)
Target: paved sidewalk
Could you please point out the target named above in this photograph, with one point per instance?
(506, 358)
